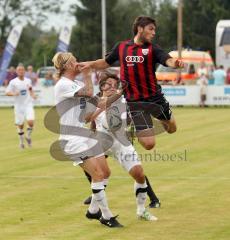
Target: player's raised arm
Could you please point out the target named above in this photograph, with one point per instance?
(87, 90)
(98, 65)
(91, 116)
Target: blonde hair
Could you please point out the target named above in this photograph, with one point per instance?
(60, 60)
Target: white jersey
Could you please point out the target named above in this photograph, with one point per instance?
(71, 109)
(22, 86)
(202, 71)
(113, 116)
(64, 91)
(113, 122)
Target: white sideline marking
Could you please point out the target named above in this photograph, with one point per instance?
(117, 177)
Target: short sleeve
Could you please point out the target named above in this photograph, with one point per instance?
(113, 55)
(10, 87)
(29, 83)
(160, 56)
(69, 90)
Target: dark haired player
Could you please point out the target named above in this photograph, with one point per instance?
(138, 58)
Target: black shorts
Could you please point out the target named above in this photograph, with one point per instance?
(203, 97)
(143, 111)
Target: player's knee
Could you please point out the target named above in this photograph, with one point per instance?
(148, 145)
(107, 173)
(137, 173)
(98, 175)
(172, 129)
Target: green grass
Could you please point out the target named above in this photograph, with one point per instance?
(41, 198)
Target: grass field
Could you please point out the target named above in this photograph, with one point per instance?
(41, 199)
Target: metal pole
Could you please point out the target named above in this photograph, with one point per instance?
(45, 60)
(179, 33)
(103, 26)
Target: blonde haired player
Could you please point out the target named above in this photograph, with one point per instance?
(21, 88)
(70, 92)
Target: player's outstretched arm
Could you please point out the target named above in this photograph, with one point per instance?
(98, 65)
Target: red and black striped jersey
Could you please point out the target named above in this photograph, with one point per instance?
(137, 68)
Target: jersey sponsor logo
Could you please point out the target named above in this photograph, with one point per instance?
(145, 51)
(74, 87)
(82, 103)
(134, 59)
(23, 92)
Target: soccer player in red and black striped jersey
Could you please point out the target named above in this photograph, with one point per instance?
(138, 58)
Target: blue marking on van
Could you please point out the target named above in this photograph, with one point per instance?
(174, 91)
(226, 90)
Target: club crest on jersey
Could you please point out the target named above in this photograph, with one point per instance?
(74, 86)
(145, 51)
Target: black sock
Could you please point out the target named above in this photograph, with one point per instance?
(88, 176)
(150, 192)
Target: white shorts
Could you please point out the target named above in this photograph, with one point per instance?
(79, 149)
(125, 155)
(24, 113)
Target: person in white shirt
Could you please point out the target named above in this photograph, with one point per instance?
(202, 70)
(21, 88)
(76, 141)
(203, 83)
(113, 121)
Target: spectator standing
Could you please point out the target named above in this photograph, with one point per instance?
(211, 69)
(31, 75)
(11, 74)
(219, 76)
(202, 70)
(203, 83)
(48, 81)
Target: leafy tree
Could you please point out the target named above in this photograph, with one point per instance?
(37, 48)
(166, 19)
(150, 7)
(25, 45)
(126, 14)
(200, 19)
(23, 11)
(86, 37)
(44, 49)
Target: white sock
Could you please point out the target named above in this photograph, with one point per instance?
(29, 131)
(106, 181)
(141, 195)
(21, 135)
(99, 197)
(93, 207)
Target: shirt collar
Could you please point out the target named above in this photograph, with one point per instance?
(142, 46)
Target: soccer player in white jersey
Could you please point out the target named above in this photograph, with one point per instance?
(113, 122)
(21, 88)
(68, 98)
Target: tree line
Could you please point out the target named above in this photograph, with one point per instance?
(37, 46)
